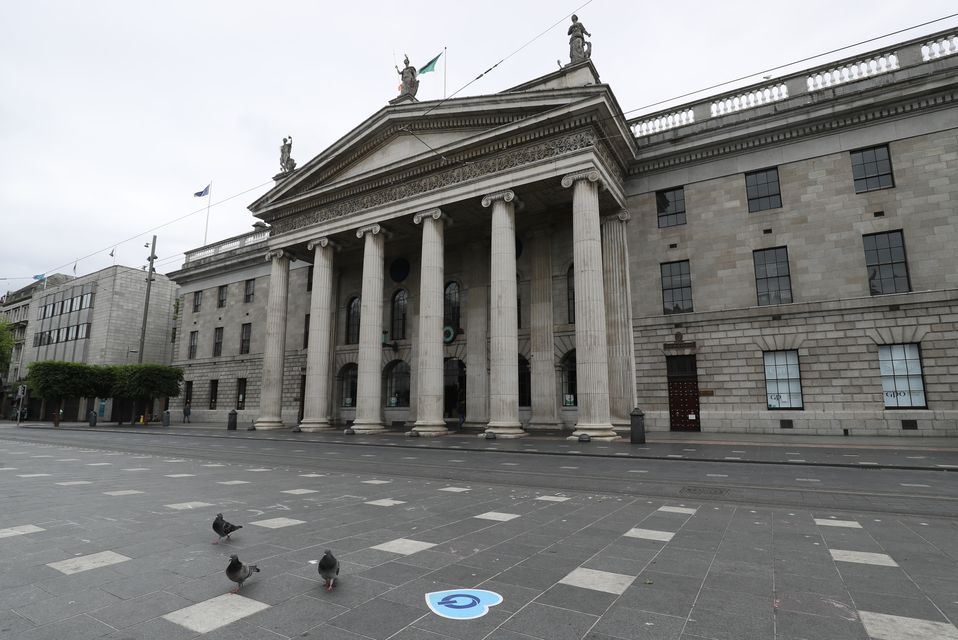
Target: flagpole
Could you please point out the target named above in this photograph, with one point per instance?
(445, 63)
(209, 199)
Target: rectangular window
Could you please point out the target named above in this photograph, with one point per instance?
(72, 332)
(221, 297)
(194, 338)
(772, 281)
(309, 279)
(886, 264)
(217, 341)
(306, 333)
(676, 287)
(249, 290)
(57, 308)
(246, 334)
(86, 301)
(84, 331)
(670, 207)
(77, 303)
(240, 394)
(871, 169)
(901, 376)
(762, 190)
(783, 381)
(188, 392)
(214, 391)
(197, 300)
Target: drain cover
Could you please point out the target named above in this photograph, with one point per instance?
(703, 492)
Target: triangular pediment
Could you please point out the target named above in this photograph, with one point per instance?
(404, 138)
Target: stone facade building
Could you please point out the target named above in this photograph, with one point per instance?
(97, 319)
(778, 257)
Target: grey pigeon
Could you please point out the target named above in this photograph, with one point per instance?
(328, 569)
(223, 528)
(239, 572)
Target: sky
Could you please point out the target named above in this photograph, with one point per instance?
(114, 112)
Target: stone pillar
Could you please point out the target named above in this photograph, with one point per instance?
(503, 320)
(429, 369)
(477, 337)
(542, 336)
(271, 396)
(316, 403)
(369, 400)
(618, 306)
(592, 363)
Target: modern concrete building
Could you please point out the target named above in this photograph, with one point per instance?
(533, 260)
(97, 319)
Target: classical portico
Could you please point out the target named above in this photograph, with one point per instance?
(446, 221)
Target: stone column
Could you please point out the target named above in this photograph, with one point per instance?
(503, 320)
(542, 335)
(316, 407)
(477, 337)
(271, 396)
(429, 371)
(592, 363)
(618, 306)
(369, 401)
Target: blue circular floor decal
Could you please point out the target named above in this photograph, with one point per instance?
(462, 604)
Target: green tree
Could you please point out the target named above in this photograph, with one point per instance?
(142, 383)
(56, 381)
(6, 345)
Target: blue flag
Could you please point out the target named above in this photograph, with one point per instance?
(204, 192)
(39, 276)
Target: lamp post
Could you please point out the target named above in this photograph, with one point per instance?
(146, 303)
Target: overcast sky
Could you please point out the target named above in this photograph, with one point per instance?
(113, 113)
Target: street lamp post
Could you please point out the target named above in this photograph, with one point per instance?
(146, 303)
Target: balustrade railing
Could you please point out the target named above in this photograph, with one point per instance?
(939, 48)
(663, 122)
(851, 72)
(749, 99)
(226, 245)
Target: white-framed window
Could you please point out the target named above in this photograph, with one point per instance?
(783, 381)
(901, 377)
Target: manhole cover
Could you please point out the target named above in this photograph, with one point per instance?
(703, 492)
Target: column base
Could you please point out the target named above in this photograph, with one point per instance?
(505, 430)
(315, 425)
(368, 427)
(430, 429)
(595, 431)
(269, 424)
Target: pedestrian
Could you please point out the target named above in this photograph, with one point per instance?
(186, 412)
(461, 407)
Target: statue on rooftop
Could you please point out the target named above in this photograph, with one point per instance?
(579, 49)
(286, 163)
(410, 85)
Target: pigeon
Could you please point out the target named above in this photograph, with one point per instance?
(329, 569)
(223, 528)
(239, 572)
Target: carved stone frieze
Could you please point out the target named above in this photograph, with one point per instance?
(465, 172)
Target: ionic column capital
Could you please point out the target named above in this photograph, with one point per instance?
(622, 216)
(592, 175)
(277, 254)
(506, 195)
(372, 229)
(435, 214)
(319, 242)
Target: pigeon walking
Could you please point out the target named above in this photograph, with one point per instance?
(223, 528)
(328, 569)
(239, 572)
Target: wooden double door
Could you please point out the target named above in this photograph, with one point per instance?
(683, 393)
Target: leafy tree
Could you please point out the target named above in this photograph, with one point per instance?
(6, 345)
(144, 382)
(55, 381)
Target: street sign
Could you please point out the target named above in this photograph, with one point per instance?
(21, 391)
(462, 604)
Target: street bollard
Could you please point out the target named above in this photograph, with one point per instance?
(92, 418)
(637, 427)
(231, 420)
(166, 418)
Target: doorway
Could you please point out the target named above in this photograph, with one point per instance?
(454, 388)
(683, 393)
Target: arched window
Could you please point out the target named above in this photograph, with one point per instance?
(352, 320)
(397, 384)
(569, 395)
(398, 324)
(347, 377)
(570, 292)
(525, 383)
(451, 306)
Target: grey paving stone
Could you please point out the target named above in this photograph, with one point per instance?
(731, 616)
(412, 594)
(634, 624)
(476, 629)
(295, 616)
(897, 605)
(130, 612)
(514, 597)
(793, 625)
(463, 575)
(285, 586)
(351, 591)
(156, 629)
(577, 599)
(80, 627)
(815, 603)
(377, 619)
(686, 562)
(394, 573)
(63, 607)
(759, 585)
(415, 633)
(21, 596)
(11, 624)
(138, 585)
(550, 623)
(242, 630)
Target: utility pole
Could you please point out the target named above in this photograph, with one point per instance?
(146, 303)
